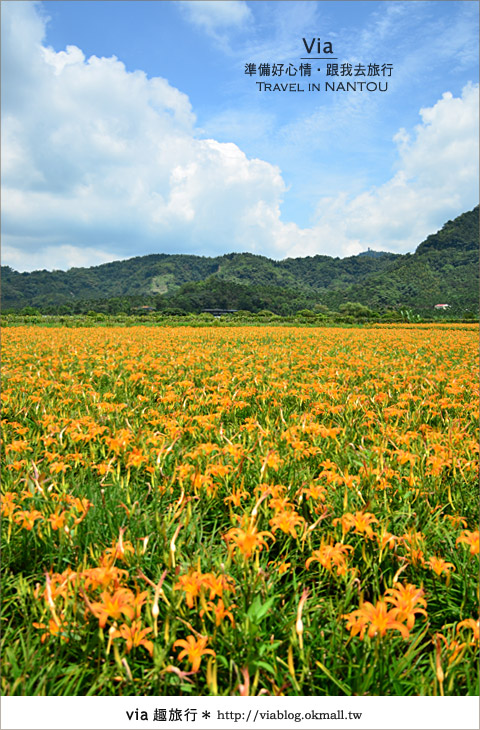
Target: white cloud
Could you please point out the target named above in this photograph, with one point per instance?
(274, 31)
(437, 178)
(99, 159)
(100, 164)
(63, 58)
(63, 257)
(219, 19)
(213, 15)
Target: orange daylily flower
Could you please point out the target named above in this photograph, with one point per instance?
(119, 441)
(455, 647)
(220, 612)
(27, 518)
(286, 521)
(377, 619)
(273, 460)
(283, 567)
(113, 606)
(193, 649)
(135, 458)
(57, 467)
(315, 491)
(386, 538)
(330, 557)
(360, 521)
(134, 636)
(57, 520)
(280, 503)
(472, 624)
(472, 539)
(103, 576)
(218, 584)
(235, 497)
(52, 629)
(191, 584)
(439, 565)
(415, 557)
(248, 540)
(406, 599)
(456, 520)
(9, 503)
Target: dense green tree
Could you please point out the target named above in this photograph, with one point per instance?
(444, 269)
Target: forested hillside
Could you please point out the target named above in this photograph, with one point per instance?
(166, 274)
(443, 269)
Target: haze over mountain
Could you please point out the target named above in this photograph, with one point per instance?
(443, 269)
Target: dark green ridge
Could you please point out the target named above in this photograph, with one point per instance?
(443, 270)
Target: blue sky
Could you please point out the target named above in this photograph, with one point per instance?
(131, 128)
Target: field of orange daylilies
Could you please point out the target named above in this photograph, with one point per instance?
(240, 511)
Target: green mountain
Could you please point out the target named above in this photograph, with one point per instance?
(166, 274)
(443, 269)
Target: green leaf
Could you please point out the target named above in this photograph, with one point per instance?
(266, 665)
(258, 611)
(336, 681)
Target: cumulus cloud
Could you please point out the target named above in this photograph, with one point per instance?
(57, 257)
(217, 18)
(213, 15)
(100, 164)
(437, 178)
(102, 159)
